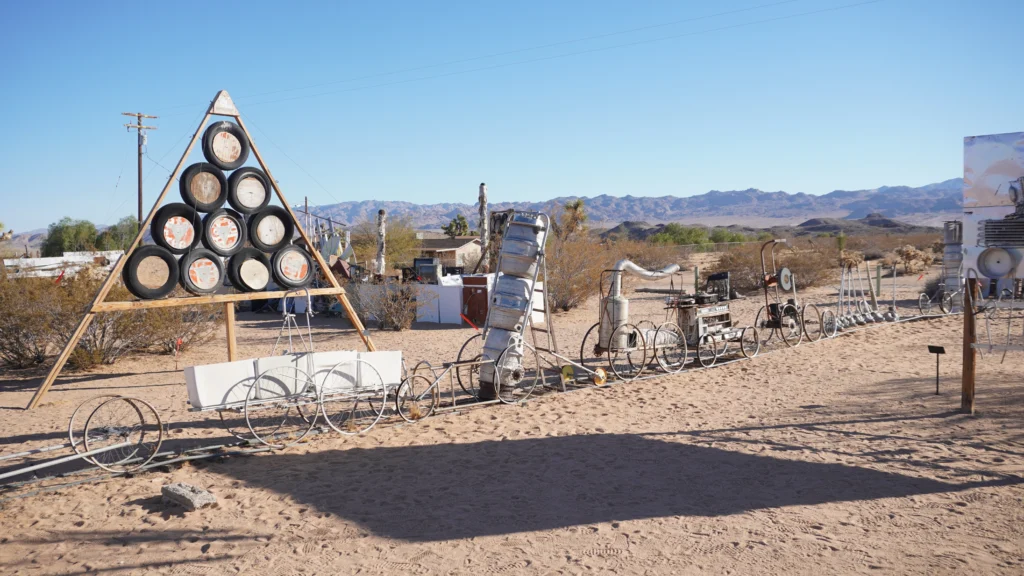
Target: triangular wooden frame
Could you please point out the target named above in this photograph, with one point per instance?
(221, 105)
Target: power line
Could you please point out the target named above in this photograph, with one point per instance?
(311, 177)
(514, 51)
(577, 53)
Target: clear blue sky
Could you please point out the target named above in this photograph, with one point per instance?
(871, 95)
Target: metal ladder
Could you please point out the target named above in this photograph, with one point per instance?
(550, 345)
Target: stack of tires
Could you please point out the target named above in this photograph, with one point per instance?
(199, 242)
(512, 300)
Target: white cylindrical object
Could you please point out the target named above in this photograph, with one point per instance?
(379, 263)
(484, 226)
(615, 313)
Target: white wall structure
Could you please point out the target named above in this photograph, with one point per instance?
(993, 221)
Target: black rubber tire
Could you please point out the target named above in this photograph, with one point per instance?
(189, 283)
(177, 210)
(217, 233)
(279, 262)
(254, 223)
(213, 198)
(236, 179)
(228, 129)
(130, 275)
(235, 264)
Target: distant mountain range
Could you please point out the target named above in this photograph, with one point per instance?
(872, 224)
(756, 208)
(751, 208)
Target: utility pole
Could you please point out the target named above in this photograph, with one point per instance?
(142, 141)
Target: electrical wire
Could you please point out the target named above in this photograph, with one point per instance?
(299, 166)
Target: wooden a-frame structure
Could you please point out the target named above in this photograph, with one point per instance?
(222, 105)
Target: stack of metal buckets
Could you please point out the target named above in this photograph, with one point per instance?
(511, 303)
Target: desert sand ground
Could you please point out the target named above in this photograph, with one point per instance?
(833, 457)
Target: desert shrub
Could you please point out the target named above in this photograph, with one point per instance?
(811, 265)
(850, 257)
(24, 326)
(192, 325)
(724, 235)
(574, 270)
(913, 259)
(109, 336)
(390, 304)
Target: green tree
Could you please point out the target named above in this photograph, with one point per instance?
(719, 235)
(69, 236)
(841, 241)
(678, 234)
(764, 236)
(401, 247)
(457, 227)
(119, 236)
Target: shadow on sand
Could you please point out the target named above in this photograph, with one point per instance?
(451, 491)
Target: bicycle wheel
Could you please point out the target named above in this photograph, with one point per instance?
(469, 376)
(518, 373)
(750, 345)
(132, 425)
(78, 445)
(627, 352)
(810, 317)
(761, 323)
(792, 331)
(591, 353)
(924, 304)
(946, 305)
(829, 324)
(417, 398)
(352, 396)
(669, 347)
(707, 351)
(281, 406)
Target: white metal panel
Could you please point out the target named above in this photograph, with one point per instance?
(221, 384)
(388, 363)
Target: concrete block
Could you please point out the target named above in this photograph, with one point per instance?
(187, 496)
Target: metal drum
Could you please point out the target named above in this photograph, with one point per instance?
(496, 343)
(510, 303)
(519, 257)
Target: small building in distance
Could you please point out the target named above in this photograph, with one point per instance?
(459, 251)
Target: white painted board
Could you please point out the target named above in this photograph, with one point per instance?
(223, 384)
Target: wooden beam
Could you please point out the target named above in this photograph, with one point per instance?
(214, 299)
(324, 268)
(229, 327)
(114, 274)
(969, 373)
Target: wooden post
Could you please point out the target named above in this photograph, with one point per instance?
(229, 328)
(970, 354)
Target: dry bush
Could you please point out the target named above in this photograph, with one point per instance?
(913, 259)
(574, 270)
(192, 325)
(391, 305)
(109, 336)
(24, 324)
(877, 246)
(850, 257)
(812, 265)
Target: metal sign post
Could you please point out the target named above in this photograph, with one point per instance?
(938, 351)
